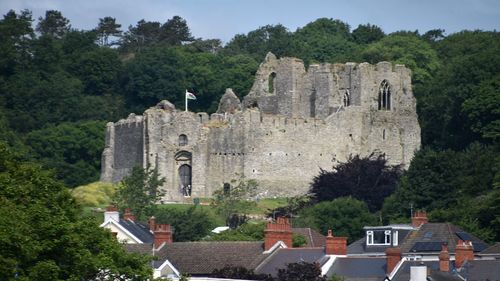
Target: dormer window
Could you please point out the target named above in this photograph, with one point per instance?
(378, 237)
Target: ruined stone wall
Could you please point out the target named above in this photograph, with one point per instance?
(292, 123)
(123, 148)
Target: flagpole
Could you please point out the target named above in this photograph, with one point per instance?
(186, 100)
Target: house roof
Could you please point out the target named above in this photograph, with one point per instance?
(144, 249)
(426, 239)
(492, 250)
(471, 270)
(281, 257)
(359, 268)
(201, 258)
(313, 238)
(481, 270)
(429, 237)
(139, 230)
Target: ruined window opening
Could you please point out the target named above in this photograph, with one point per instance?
(271, 87)
(312, 104)
(183, 140)
(347, 98)
(227, 189)
(384, 96)
(383, 134)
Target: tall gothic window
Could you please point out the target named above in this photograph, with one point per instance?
(183, 140)
(347, 98)
(384, 96)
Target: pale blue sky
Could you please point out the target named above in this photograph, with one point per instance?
(225, 18)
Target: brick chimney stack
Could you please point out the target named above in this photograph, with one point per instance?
(128, 215)
(444, 258)
(393, 257)
(464, 251)
(162, 234)
(335, 245)
(152, 223)
(280, 230)
(419, 218)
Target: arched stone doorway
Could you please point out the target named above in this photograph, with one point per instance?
(185, 173)
(185, 179)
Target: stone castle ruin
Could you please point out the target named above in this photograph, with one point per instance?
(292, 123)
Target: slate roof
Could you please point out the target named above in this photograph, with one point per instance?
(471, 270)
(201, 258)
(139, 230)
(438, 233)
(481, 270)
(493, 250)
(359, 268)
(427, 239)
(360, 247)
(313, 238)
(281, 257)
(144, 249)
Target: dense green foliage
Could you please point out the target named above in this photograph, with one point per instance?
(58, 86)
(43, 236)
(140, 192)
(191, 224)
(345, 216)
(369, 179)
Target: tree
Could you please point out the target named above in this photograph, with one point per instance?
(345, 216)
(299, 272)
(140, 192)
(42, 235)
(483, 109)
(144, 33)
(367, 33)
(408, 49)
(16, 34)
(369, 179)
(443, 179)
(54, 24)
(107, 27)
(257, 43)
(234, 198)
(191, 224)
(175, 31)
(249, 231)
(325, 40)
(237, 272)
(73, 150)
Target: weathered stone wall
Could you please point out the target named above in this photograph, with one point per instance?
(292, 123)
(123, 149)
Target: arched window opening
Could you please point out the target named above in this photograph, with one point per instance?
(183, 140)
(384, 96)
(272, 76)
(185, 178)
(347, 98)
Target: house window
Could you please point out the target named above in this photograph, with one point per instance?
(384, 96)
(347, 98)
(183, 140)
(395, 238)
(378, 237)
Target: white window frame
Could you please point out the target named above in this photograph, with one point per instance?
(370, 235)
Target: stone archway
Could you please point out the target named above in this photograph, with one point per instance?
(184, 172)
(185, 179)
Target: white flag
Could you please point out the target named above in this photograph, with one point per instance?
(190, 96)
